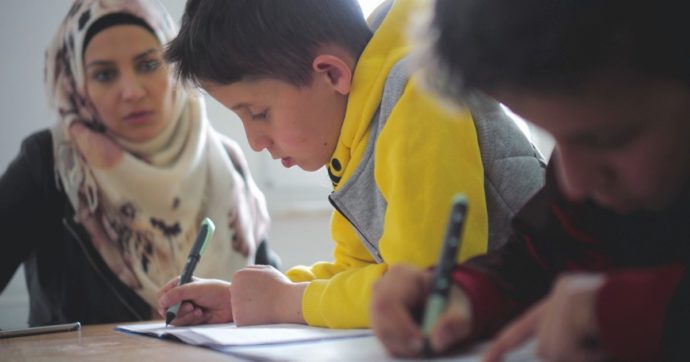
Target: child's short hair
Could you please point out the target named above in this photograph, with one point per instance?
(556, 45)
(225, 41)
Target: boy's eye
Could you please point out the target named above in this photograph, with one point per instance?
(104, 75)
(615, 140)
(260, 116)
(607, 140)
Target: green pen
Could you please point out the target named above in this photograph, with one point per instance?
(205, 234)
(441, 284)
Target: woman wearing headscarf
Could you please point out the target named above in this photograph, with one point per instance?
(104, 207)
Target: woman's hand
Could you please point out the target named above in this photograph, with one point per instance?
(203, 301)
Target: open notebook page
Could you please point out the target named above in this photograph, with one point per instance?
(231, 335)
(362, 349)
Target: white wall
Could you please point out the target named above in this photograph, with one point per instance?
(25, 30)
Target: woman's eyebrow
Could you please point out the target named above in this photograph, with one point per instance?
(139, 56)
(145, 54)
(99, 63)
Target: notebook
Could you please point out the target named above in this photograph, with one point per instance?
(293, 342)
(229, 335)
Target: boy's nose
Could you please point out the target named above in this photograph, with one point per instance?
(580, 175)
(257, 140)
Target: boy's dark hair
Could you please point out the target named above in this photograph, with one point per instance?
(225, 41)
(557, 45)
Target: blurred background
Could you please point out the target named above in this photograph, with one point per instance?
(297, 200)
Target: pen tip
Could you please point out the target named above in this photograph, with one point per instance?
(168, 318)
(427, 351)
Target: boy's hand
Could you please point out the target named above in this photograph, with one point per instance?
(563, 323)
(401, 294)
(205, 301)
(263, 295)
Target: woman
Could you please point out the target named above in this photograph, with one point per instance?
(108, 203)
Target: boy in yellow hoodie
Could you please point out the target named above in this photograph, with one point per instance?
(315, 86)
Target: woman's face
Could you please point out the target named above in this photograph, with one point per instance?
(128, 82)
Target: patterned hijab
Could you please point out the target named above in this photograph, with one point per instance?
(142, 203)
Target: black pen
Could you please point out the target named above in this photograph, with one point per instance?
(205, 234)
(441, 284)
(40, 330)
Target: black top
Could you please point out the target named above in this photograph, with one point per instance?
(66, 277)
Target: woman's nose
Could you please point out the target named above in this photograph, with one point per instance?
(132, 88)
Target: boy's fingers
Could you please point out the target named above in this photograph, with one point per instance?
(450, 329)
(455, 323)
(190, 317)
(172, 283)
(396, 295)
(185, 308)
(176, 295)
(515, 333)
(398, 332)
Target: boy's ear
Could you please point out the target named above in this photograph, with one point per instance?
(338, 73)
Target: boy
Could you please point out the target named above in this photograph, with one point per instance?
(600, 254)
(314, 87)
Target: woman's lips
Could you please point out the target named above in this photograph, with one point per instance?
(137, 118)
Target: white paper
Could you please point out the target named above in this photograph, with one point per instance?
(361, 349)
(229, 335)
(293, 342)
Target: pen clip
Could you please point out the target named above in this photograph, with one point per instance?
(205, 234)
(211, 228)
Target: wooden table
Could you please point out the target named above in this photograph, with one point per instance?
(102, 343)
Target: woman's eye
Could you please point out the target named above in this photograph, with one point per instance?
(260, 116)
(104, 76)
(148, 66)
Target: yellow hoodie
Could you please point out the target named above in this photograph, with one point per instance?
(424, 155)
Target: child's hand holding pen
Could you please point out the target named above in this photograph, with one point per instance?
(398, 299)
(203, 301)
(446, 315)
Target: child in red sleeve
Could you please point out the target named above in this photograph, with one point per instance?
(596, 268)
